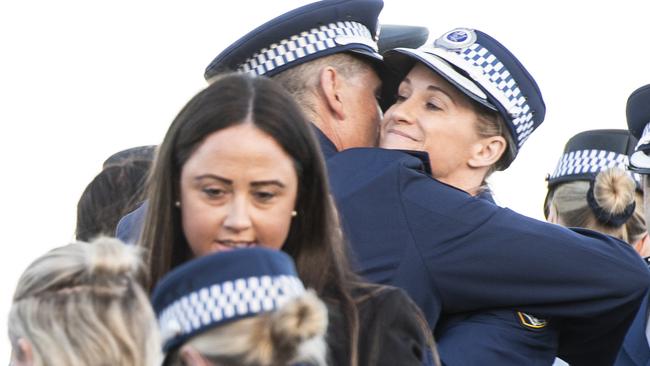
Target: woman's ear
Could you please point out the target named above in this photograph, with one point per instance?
(191, 357)
(330, 84)
(22, 353)
(487, 151)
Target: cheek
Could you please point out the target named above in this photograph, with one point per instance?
(273, 229)
(272, 225)
(200, 224)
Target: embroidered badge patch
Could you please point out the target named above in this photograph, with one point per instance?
(530, 321)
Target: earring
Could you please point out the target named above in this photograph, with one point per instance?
(177, 203)
(294, 213)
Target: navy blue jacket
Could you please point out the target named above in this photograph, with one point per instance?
(454, 253)
(635, 350)
(496, 337)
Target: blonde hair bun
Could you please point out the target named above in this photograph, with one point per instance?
(614, 190)
(299, 326)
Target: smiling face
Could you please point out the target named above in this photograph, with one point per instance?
(431, 115)
(237, 189)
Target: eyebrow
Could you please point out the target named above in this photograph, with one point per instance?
(229, 182)
(433, 88)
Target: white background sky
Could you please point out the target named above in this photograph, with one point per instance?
(80, 80)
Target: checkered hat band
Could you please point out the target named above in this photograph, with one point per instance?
(305, 44)
(481, 58)
(589, 161)
(227, 300)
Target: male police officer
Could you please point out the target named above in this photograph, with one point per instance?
(636, 349)
(326, 55)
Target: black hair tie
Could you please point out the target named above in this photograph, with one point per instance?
(604, 217)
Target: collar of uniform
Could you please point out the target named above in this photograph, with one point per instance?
(327, 147)
(424, 158)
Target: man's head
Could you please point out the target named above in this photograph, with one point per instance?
(325, 54)
(638, 122)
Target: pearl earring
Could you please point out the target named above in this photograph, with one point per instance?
(294, 213)
(177, 203)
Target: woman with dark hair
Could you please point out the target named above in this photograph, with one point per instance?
(239, 167)
(114, 192)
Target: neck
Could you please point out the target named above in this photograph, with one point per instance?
(327, 125)
(468, 180)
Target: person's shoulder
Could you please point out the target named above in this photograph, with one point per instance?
(374, 157)
(356, 169)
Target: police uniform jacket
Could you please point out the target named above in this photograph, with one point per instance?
(454, 253)
(635, 350)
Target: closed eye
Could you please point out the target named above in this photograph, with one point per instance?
(433, 106)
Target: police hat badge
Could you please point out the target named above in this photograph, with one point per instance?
(482, 69)
(638, 122)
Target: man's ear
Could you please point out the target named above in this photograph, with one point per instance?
(331, 84)
(191, 357)
(23, 353)
(487, 151)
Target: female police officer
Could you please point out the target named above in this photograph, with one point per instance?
(592, 188)
(468, 105)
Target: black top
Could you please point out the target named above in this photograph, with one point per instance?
(390, 330)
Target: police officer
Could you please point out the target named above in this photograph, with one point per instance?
(591, 187)
(635, 350)
(326, 54)
(459, 256)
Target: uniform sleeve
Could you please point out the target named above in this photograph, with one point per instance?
(130, 226)
(481, 256)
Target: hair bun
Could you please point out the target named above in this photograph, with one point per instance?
(108, 258)
(301, 323)
(614, 190)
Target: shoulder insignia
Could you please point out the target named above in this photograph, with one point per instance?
(529, 321)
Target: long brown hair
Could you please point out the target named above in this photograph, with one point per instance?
(314, 239)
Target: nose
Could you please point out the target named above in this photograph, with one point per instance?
(237, 218)
(400, 112)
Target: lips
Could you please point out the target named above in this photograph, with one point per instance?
(402, 134)
(232, 244)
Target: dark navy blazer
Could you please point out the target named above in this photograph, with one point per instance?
(454, 253)
(635, 350)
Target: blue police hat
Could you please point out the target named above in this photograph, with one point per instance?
(638, 122)
(590, 152)
(399, 35)
(309, 32)
(219, 288)
(484, 70)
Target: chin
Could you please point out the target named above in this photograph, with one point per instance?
(395, 145)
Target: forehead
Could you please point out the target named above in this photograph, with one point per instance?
(420, 74)
(422, 77)
(242, 146)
